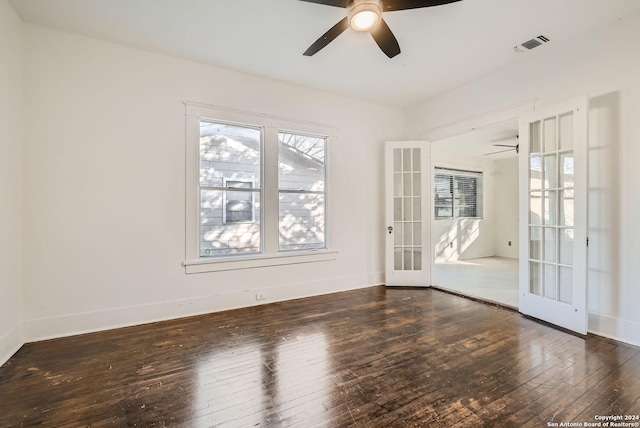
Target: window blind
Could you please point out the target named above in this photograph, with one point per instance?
(457, 193)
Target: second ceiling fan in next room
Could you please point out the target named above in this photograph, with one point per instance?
(366, 15)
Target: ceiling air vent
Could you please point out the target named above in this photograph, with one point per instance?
(531, 44)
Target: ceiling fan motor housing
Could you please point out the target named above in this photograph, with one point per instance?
(368, 7)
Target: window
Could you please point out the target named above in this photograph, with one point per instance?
(230, 163)
(457, 193)
(256, 190)
(301, 187)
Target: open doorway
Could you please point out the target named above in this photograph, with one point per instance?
(475, 215)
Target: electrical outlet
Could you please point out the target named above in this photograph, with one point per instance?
(509, 243)
(261, 295)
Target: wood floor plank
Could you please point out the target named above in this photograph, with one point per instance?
(366, 358)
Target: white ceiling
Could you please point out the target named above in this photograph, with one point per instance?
(442, 47)
(479, 142)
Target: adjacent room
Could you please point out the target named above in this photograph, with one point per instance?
(475, 223)
(303, 212)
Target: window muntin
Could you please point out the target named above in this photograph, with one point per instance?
(301, 191)
(457, 194)
(229, 188)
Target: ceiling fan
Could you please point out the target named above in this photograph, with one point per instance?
(366, 15)
(511, 147)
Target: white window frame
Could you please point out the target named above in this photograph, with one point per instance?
(269, 221)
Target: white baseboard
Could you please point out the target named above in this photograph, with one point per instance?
(376, 278)
(615, 328)
(89, 322)
(10, 342)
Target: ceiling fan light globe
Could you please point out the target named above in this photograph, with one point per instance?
(364, 16)
(364, 21)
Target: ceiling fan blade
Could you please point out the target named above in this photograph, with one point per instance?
(327, 37)
(499, 151)
(385, 39)
(503, 145)
(390, 5)
(336, 3)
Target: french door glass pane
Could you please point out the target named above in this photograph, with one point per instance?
(417, 184)
(417, 214)
(550, 206)
(535, 243)
(534, 139)
(406, 184)
(397, 184)
(566, 169)
(408, 211)
(406, 160)
(397, 257)
(535, 208)
(550, 172)
(407, 235)
(550, 135)
(408, 259)
(550, 290)
(397, 233)
(565, 282)
(566, 246)
(566, 208)
(397, 160)
(535, 172)
(417, 259)
(549, 244)
(535, 278)
(417, 234)
(416, 160)
(397, 208)
(566, 131)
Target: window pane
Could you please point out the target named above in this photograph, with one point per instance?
(549, 244)
(565, 282)
(229, 152)
(302, 221)
(535, 243)
(550, 290)
(550, 135)
(535, 278)
(535, 172)
(535, 208)
(566, 131)
(457, 194)
(221, 239)
(416, 159)
(301, 160)
(534, 135)
(550, 172)
(566, 169)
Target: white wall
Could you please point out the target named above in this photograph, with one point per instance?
(105, 187)
(461, 239)
(605, 65)
(11, 169)
(506, 207)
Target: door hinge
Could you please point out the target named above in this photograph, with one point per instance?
(587, 241)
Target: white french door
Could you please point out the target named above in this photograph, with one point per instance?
(407, 213)
(553, 214)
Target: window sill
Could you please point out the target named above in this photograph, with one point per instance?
(257, 261)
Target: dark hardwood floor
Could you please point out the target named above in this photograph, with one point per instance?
(372, 358)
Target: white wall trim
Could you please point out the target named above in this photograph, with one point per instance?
(375, 278)
(11, 342)
(89, 322)
(614, 328)
(483, 120)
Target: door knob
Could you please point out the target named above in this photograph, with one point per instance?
(390, 229)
